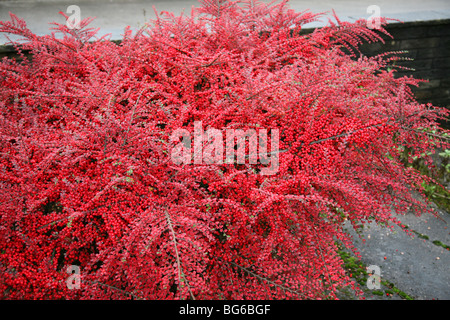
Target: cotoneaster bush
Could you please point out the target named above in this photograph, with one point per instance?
(87, 177)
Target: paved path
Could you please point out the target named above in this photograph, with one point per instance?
(414, 264)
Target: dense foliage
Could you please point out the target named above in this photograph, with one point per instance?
(87, 179)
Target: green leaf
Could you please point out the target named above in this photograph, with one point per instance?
(445, 154)
(128, 179)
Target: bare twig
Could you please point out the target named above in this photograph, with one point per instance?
(131, 119)
(181, 276)
(114, 288)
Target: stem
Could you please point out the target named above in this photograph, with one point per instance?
(180, 271)
(265, 279)
(131, 119)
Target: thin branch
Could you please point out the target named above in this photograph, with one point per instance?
(131, 119)
(112, 287)
(263, 279)
(179, 268)
(345, 134)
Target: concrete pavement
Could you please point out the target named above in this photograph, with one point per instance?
(414, 263)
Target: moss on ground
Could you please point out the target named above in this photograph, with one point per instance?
(357, 270)
(423, 236)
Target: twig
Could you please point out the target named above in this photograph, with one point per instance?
(131, 119)
(114, 288)
(179, 268)
(263, 279)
